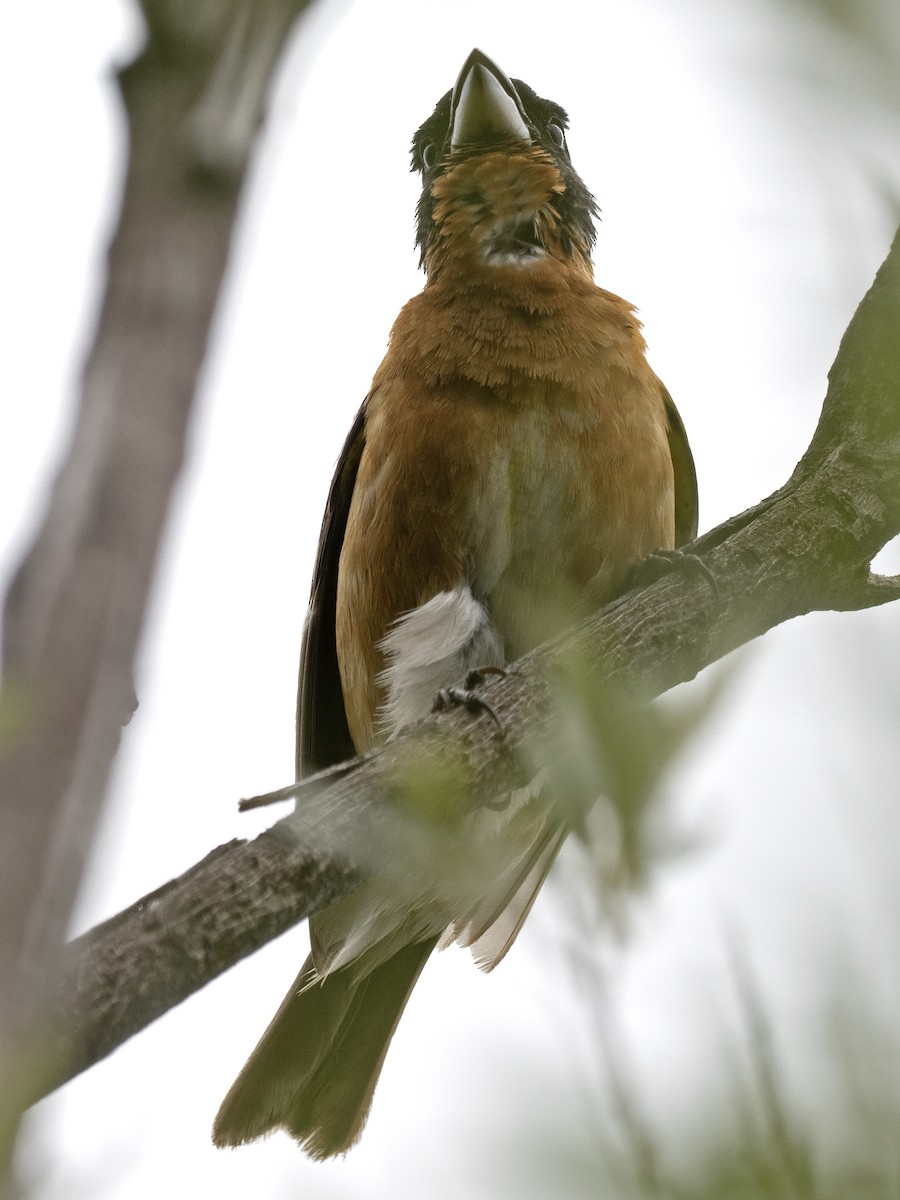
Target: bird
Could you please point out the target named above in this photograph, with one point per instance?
(514, 460)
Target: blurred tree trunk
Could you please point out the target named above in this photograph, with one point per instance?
(195, 99)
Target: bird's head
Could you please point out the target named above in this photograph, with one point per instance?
(499, 188)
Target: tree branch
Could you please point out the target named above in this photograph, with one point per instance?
(807, 547)
(195, 100)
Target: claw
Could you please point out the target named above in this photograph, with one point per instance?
(657, 563)
(467, 698)
(477, 675)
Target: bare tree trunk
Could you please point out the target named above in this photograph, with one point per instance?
(195, 99)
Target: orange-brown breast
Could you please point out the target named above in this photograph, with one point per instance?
(538, 475)
(516, 440)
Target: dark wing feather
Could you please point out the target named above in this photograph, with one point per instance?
(686, 505)
(323, 737)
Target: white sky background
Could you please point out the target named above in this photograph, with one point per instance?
(741, 215)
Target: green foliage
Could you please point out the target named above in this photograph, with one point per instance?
(763, 1139)
(616, 755)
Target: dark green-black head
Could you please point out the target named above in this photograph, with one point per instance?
(484, 111)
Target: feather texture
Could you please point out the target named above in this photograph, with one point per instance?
(431, 647)
(515, 457)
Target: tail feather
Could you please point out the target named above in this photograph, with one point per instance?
(316, 1066)
(490, 944)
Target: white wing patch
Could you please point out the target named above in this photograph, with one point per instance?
(477, 886)
(432, 647)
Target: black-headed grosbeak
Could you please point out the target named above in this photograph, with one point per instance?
(515, 458)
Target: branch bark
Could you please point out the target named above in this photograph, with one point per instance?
(195, 100)
(807, 547)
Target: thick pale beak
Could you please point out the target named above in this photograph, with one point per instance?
(485, 105)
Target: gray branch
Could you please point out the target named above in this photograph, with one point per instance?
(807, 547)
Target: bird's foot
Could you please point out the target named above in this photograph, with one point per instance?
(466, 697)
(661, 562)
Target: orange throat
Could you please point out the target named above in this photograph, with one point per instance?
(497, 215)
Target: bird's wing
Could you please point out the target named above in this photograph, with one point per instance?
(323, 737)
(686, 506)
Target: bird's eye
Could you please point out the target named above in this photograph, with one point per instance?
(556, 134)
(429, 154)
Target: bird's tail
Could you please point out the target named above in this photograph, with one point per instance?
(316, 1066)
